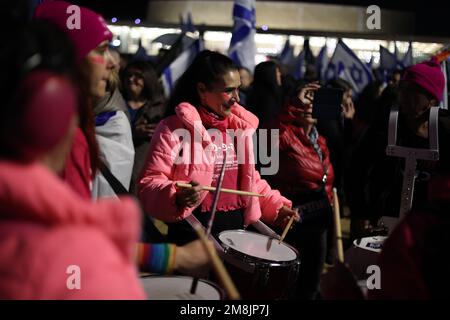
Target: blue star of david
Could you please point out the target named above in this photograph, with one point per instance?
(356, 73)
(331, 71)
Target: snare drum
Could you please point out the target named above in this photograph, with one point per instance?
(261, 267)
(178, 288)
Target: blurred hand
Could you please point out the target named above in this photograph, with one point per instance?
(348, 109)
(192, 259)
(306, 94)
(143, 129)
(284, 215)
(188, 197)
(303, 110)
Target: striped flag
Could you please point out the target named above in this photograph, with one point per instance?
(322, 63)
(300, 65)
(388, 60)
(174, 71)
(287, 54)
(407, 60)
(242, 46)
(186, 24)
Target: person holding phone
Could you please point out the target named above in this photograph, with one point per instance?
(306, 176)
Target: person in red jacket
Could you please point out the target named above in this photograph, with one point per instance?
(305, 176)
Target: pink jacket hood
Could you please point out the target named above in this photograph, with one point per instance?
(45, 227)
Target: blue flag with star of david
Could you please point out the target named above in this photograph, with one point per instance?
(242, 46)
(345, 64)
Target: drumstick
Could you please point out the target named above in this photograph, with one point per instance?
(218, 267)
(286, 229)
(238, 192)
(337, 226)
(213, 210)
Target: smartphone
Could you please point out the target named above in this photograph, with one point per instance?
(327, 104)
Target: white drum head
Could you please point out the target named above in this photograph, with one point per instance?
(374, 244)
(178, 288)
(257, 245)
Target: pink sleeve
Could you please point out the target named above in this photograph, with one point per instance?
(84, 256)
(243, 114)
(157, 189)
(272, 202)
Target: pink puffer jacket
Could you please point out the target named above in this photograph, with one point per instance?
(45, 228)
(164, 166)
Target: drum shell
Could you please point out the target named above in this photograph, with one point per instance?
(261, 279)
(185, 284)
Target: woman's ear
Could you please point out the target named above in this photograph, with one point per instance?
(201, 88)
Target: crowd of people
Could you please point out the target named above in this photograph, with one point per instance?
(91, 148)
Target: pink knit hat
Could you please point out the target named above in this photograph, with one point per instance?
(92, 27)
(427, 75)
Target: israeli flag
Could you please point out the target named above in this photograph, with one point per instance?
(370, 63)
(345, 64)
(174, 71)
(300, 65)
(407, 60)
(242, 46)
(186, 23)
(287, 54)
(388, 60)
(322, 63)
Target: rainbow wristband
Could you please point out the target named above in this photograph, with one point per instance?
(156, 258)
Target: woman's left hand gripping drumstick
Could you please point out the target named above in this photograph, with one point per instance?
(188, 197)
(288, 216)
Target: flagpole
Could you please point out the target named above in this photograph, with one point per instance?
(445, 98)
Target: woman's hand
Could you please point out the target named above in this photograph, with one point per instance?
(284, 215)
(188, 197)
(303, 109)
(143, 129)
(348, 109)
(192, 259)
(306, 94)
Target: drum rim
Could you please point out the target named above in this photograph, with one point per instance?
(245, 256)
(212, 284)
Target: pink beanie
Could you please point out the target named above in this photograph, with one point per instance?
(429, 76)
(92, 27)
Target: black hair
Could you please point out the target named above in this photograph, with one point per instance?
(37, 45)
(265, 98)
(338, 83)
(208, 67)
(265, 75)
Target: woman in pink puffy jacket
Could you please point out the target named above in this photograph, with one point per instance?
(204, 125)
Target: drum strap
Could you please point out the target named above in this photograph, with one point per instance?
(411, 155)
